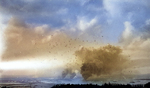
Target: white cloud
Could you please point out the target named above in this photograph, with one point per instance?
(128, 32)
(83, 24)
(118, 7)
(135, 43)
(111, 7)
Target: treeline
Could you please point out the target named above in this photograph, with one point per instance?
(109, 85)
(101, 86)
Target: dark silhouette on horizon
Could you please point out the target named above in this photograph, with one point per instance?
(106, 85)
(109, 85)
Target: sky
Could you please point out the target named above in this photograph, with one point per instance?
(27, 27)
(80, 15)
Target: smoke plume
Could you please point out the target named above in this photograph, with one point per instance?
(105, 60)
(68, 72)
(26, 40)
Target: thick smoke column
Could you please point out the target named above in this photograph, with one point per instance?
(102, 61)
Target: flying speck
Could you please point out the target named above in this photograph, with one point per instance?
(65, 45)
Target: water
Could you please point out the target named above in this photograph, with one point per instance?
(49, 82)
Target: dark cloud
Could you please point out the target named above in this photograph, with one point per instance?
(35, 11)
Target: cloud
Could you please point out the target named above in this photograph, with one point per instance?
(127, 10)
(29, 8)
(1, 43)
(2, 27)
(52, 13)
(128, 33)
(111, 6)
(84, 28)
(83, 25)
(136, 42)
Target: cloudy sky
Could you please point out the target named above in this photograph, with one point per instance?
(105, 17)
(27, 27)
